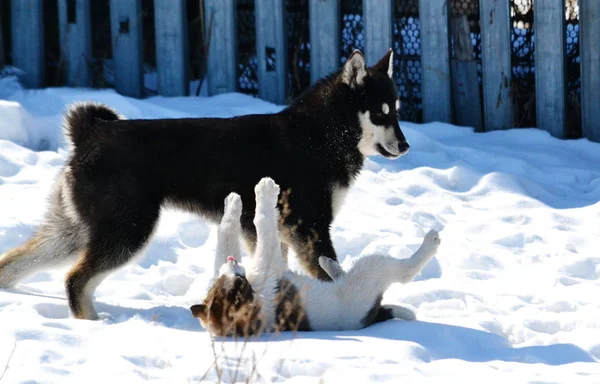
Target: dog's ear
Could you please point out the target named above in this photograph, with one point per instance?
(386, 64)
(198, 310)
(355, 69)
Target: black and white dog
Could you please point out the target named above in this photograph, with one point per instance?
(107, 199)
(264, 296)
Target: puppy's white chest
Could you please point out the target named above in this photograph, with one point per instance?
(338, 195)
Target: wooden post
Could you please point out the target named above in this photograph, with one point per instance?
(435, 61)
(2, 53)
(126, 30)
(27, 33)
(76, 41)
(172, 59)
(465, 86)
(377, 19)
(496, 61)
(271, 49)
(550, 82)
(325, 32)
(589, 29)
(221, 32)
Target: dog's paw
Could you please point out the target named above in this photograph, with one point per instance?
(432, 240)
(233, 205)
(266, 192)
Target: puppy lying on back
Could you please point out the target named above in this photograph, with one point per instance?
(265, 296)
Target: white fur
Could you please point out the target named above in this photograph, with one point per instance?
(338, 305)
(229, 233)
(385, 108)
(390, 70)
(397, 105)
(232, 268)
(67, 201)
(354, 70)
(338, 195)
(331, 267)
(373, 134)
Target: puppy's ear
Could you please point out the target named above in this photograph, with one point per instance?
(354, 70)
(198, 310)
(386, 64)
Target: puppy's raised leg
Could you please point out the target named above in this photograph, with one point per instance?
(371, 276)
(407, 269)
(229, 232)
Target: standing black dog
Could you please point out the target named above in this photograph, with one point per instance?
(108, 197)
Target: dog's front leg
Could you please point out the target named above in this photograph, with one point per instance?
(310, 243)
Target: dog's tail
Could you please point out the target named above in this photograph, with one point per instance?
(81, 117)
(57, 242)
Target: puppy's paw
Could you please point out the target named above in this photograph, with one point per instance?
(331, 267)
(233, 205)
(432, 240)
(266, 192)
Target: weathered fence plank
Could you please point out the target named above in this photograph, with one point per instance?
(435, 61)
(550, 80)
(75, 26)
(2, 53)
(126, 31)
(496, 61)
(325, 24)
(465, 85)
(221, 32)
(172, 54)
(271, 49)
(589, 29)
(27, 32)
(377, 20)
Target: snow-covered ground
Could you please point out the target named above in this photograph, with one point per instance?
(512, 296)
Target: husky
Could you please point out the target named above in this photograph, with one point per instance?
(265, 296)
(120, 173)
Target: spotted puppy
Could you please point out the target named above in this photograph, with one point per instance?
(265, 296)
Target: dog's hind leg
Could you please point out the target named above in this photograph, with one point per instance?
(229, 231)
(113, 242)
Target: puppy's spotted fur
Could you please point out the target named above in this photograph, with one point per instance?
(265, 296)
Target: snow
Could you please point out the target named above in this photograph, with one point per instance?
(512, 295)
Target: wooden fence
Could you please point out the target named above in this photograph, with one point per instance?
(450, 89)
